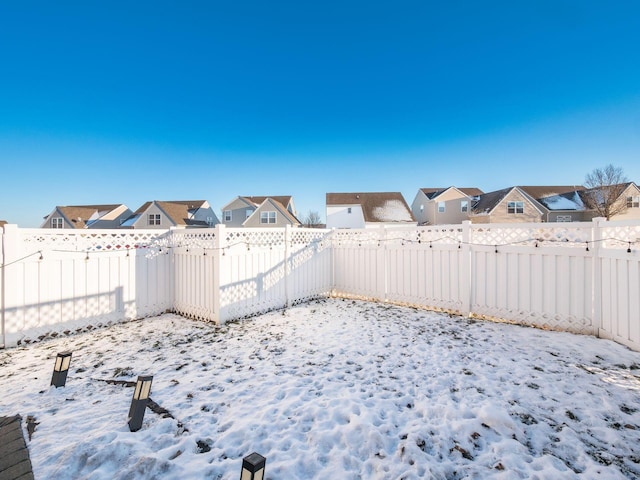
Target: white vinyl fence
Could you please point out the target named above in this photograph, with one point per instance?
(577, 277)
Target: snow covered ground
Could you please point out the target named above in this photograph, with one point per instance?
(334, 389)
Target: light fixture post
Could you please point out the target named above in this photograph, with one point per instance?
(253, 467)
(139, 402)
(61, 369)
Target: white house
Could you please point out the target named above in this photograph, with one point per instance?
(367, 209)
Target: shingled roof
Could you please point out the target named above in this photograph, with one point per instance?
(176, 210)
(432, 193)
(383, 207)
(79, 215)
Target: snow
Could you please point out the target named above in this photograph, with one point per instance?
(392, 211)
(562, 202)
(332, 389)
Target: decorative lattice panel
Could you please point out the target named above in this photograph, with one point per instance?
(349, 237)
(446, 234)
(194, 238)
(254, 237)
(532, 235)
(89, 241)
(308, 236)
(621, 236)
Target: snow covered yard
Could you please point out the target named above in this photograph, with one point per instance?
(333, 389)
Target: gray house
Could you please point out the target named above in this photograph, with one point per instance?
(158, 214)
(277, 211)
(87, 216)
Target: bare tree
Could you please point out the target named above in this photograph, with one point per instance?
(605, 187)
(312, 219)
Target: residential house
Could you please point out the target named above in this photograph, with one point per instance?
(277, 211)
(367, 209)
(624, 206)
(509, 205)
(439, 206)
(559, 203)
(178, 213)
(87, 216)
(2, 223)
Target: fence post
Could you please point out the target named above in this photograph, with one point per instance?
(287, 266)
(332, 235)
(4, 343)
(596, 244)
(10, 252)
(466, 263)
(219, 245)
(385, 263)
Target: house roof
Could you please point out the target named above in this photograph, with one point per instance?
(544, 191)
(80, 215)
(488, 201)
(257, 201)
(432, 193)
(3, 223)
(385, 207)
(283, 210)
(177, 210)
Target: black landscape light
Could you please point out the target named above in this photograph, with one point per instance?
(253, 467)
(60, 370)
(139, 402)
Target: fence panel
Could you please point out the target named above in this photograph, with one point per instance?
(195, 264)
(549, 288)
(359, 264)
(620, 301)
(58, 282)
(582, 277)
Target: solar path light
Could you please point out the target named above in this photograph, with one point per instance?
(139, 402)
(253, 467)
(61, 369)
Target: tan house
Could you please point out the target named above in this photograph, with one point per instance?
(626, 205)
(158, 214)
(559, 203)
(87, 216)
(441, 206)
(367, 209)
(509, 205)
(277, 211)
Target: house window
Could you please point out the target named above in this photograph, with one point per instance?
(515, 207)
(563, 218)
(209, 220)
(248, 213)
(633, 202)
(57, 222)
(421, 208)
(267, 217)
(227, 215)
(441, 207)
(154, 219)
(348, 209)
(464, 206)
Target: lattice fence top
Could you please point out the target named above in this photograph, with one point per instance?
(530, 235)
(90, 241)
(440, 234)
(250, 237)
(620, 236)
(205, 238)
(308, 236)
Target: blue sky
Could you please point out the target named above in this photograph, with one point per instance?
(124, 102)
